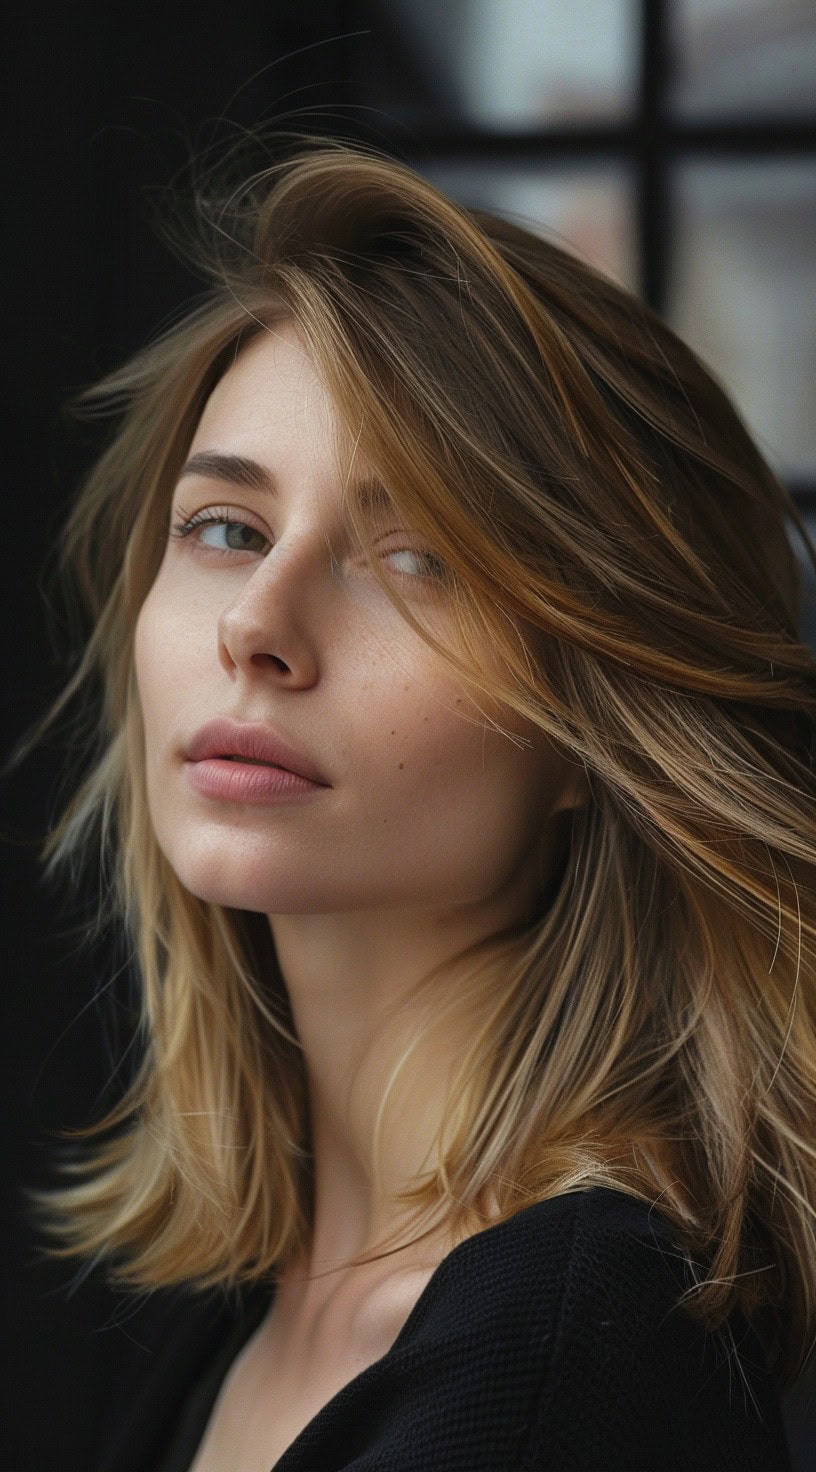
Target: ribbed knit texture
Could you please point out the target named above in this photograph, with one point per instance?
(549, 1343)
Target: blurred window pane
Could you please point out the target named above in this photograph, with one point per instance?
(742, 293)
(517, 64)
(734, 57)
(586, 208)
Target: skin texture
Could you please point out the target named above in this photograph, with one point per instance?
(434, 831)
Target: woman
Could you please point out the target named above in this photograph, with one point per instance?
(455, 780)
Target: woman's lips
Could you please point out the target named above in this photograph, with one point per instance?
(251, 741)
(228, 779)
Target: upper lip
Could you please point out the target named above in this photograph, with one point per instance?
(225, 737)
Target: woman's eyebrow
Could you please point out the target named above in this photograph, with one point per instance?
(238, 469)
(371, 494)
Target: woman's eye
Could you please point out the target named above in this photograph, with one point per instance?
(236, 534)
(425, 564)
(407, 561)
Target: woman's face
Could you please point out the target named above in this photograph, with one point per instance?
(278, 622)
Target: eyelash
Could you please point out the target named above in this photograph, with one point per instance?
(219, 516)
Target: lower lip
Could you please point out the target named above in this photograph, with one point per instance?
(244, 782)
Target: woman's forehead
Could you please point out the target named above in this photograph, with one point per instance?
(272, 400)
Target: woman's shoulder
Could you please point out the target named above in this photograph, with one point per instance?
(569, 1256)
(576, 1299)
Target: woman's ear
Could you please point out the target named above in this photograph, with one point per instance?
(574, 791)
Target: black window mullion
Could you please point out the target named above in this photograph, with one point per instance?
(653, 182)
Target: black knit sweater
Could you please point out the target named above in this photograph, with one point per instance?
(547, 1343)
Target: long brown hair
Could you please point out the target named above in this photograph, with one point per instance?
(606, 522)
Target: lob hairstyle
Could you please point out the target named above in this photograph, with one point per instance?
(611, 534)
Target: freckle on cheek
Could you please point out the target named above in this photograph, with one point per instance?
(401, 765)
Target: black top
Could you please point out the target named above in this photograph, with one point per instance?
(547, 1343)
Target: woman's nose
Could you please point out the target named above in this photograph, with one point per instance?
(272, 621)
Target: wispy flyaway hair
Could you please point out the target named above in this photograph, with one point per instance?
(612, 535)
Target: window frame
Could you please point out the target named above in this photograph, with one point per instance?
(650, 140)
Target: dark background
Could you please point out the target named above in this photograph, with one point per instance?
(102, 106)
